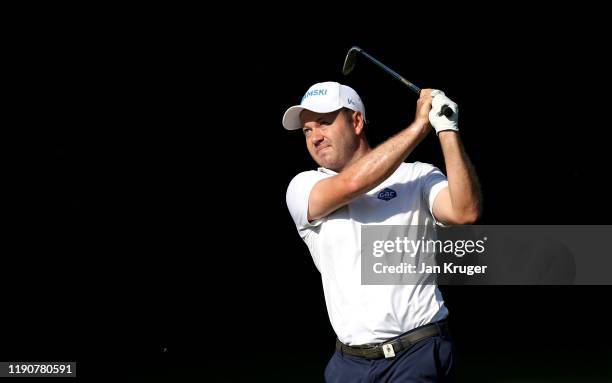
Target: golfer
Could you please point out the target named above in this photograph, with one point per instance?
(385, 333)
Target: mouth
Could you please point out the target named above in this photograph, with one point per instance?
(319, 150)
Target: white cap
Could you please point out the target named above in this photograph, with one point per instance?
(323, 97)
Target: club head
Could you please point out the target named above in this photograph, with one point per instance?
(349, 60)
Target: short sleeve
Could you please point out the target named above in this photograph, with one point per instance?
(433, 181)
(298, 193)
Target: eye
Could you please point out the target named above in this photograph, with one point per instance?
(306, 131)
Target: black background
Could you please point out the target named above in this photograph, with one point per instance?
(150, 235)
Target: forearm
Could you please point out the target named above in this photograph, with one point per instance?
(463, 185)
(378, 164)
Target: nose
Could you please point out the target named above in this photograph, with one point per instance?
(317, 138)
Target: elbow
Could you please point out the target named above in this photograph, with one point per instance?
(468, 219)
(471, 212)
(468, 216)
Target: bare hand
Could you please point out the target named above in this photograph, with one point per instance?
(423, 107)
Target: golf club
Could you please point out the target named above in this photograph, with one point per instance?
(349, 65)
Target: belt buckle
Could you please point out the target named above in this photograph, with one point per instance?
(388, 350)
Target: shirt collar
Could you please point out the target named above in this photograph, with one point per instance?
(327, 171)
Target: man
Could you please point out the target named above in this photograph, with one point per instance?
(386, 333)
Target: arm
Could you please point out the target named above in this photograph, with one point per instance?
(460, 202)
(373, 168)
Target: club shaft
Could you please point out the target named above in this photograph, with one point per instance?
(410, 85)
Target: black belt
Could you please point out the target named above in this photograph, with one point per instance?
(389, 348)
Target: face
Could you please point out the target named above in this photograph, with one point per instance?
(331, 138)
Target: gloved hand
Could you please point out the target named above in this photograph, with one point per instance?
(439, 121)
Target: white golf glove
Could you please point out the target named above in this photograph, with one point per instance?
(439, 121)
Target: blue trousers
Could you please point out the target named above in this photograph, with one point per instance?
(430, 360)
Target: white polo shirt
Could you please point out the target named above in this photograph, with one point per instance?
(362, 314)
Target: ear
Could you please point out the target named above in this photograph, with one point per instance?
(358, 122)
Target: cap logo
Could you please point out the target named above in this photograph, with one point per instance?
(350, 101)
(314, 92)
